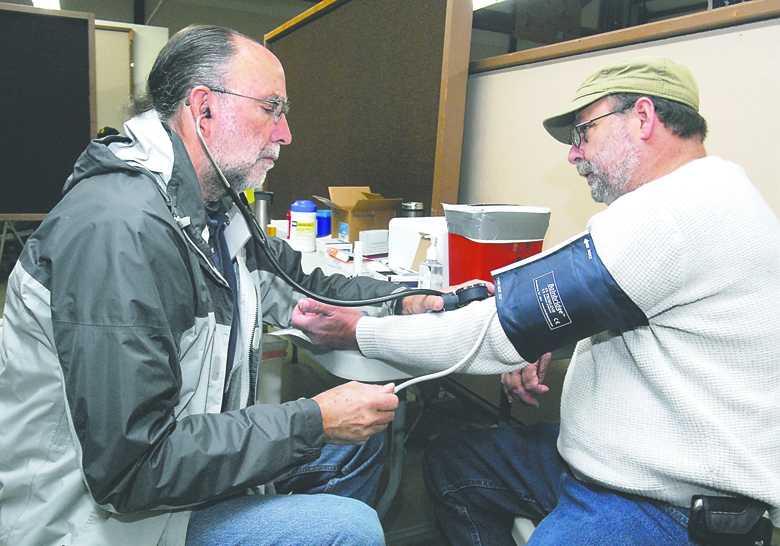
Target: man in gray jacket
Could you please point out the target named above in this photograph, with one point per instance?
(133, 339)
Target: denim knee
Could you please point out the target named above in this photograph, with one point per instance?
(272, 520)
(357, 525)
(432, 458)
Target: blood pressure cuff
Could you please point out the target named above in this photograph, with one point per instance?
(560, 297)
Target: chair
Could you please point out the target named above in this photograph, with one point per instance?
(521, 530)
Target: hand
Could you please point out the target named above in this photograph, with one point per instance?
(326, 325)
(526, 382)
(353, 412)
(413, 305)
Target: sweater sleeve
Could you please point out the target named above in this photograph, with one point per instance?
(435, 341)
(648, 259)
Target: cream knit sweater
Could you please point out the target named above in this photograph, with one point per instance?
(689, 404)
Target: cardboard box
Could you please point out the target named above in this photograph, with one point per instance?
(355, 209)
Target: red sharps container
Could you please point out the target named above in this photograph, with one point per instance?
(486, 237)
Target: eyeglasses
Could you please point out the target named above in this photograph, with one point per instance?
(578, 131)
(280, 106)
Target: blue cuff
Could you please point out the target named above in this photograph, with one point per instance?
(560, 297)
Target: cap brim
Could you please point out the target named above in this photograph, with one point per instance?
(559, 126)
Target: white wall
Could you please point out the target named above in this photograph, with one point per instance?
(147, 43)
(509, 158)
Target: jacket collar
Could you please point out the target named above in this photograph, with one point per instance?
(154, 148)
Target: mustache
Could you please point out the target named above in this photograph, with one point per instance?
(584, 168)
(270, 152)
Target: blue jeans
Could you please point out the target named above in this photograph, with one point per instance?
(480, 479)
(327, 501)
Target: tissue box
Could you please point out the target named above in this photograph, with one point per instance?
(374, 243)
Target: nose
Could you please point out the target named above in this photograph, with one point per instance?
(575, 155)
(282, 133)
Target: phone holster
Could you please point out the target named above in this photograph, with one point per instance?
(729, 521)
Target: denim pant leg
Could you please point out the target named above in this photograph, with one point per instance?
(346, 471)
(282, 520)
(590, 515)
(306, 517)
(480, 479)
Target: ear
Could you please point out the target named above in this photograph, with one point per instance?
(648, 119)
(201, 101)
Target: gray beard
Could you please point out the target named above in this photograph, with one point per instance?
(600, 189)
(214, 188)
(607, 184)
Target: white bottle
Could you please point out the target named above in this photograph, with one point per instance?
(357, 255)
(431, 270)
(303, 226)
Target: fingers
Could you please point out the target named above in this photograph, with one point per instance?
(359, 438)
(542, 366)
(532, 382)
(301, 320)
(534, 375)
(512, 380)
(385, 400)
(490, 286)
(414, 305)
(523, 384)
(306, 311)
(434, 303)
(326, 325)
(308, 305)
(526, 399)
(353, 412)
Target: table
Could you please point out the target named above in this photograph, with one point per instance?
(353, 366)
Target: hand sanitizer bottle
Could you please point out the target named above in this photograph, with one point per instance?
(431, 270)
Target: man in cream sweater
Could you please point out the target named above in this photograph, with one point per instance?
(672, 391)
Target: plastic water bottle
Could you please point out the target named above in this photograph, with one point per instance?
(431, 270)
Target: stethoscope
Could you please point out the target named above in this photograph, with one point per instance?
(258, 235)
(460, 298)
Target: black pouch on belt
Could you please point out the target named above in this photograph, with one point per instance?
(729, 521)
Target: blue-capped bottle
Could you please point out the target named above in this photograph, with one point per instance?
(303, 226)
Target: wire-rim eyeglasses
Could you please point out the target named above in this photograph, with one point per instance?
(576, 137)
(280, 106)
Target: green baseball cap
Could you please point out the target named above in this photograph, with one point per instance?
(656, 76)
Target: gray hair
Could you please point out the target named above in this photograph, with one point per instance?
(196, 55)
(682, 120)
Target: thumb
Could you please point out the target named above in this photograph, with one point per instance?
(307, 305)
(438, 303)
(388, 389)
